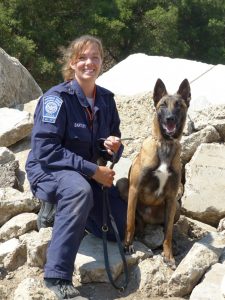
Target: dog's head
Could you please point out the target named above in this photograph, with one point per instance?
(171, 109)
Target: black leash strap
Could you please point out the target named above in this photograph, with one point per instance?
(107, 209)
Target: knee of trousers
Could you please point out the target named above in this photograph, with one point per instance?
(77, 198)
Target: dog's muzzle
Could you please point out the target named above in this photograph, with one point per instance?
(170, 126)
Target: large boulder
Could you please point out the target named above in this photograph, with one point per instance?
(17, 84)
(203, 198)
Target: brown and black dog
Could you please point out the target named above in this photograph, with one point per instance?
(155, 174)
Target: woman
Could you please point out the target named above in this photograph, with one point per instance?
(76, 123)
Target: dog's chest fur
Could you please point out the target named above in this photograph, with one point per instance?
(162, 173)
(154, 180)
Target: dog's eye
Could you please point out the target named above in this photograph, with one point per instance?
(177, 104)
(163, 104)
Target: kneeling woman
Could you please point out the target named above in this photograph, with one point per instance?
(75, 124)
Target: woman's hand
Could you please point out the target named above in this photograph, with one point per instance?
(104, 175)
(112, 144)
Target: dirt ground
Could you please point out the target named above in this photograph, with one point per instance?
(95, 291)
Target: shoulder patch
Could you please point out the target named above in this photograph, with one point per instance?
(51, 108)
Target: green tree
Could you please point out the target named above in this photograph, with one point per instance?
(36, 31)
(201, 26)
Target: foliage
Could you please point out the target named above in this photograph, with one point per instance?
(202, 27)
(36, 31)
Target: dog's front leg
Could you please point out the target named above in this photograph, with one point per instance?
(170, 210)
(131, 212)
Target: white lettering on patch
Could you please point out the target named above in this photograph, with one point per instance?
(51, 107)
(80, 125)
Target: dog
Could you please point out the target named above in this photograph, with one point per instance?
(155, 173)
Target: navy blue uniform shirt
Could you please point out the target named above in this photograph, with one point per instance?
(64, 137)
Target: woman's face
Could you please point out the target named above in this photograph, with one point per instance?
(88, 64)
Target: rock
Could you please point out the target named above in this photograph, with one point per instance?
(213, 115)
(136, 113)
(14, 126)
(37, 244)
(90, 265)
(221, 226)
(152, 276)
(33, 289)
(210, 286)
(3, 292)
(202, 255)
(153, 236)
(15, 258)
(190, 143)
(21, 150)
(18, 225)
(6, 155)
(122, 168)
(187, 232)
(13, 202)
(8, 176)
(222, 287)
(192, 228)
(12, 254)
(17, 84)
(205, 227)
(204, 187)
(7, 247)
(29, 106)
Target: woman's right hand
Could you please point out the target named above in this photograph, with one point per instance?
(104, 175)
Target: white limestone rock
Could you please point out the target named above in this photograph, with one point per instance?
(14, 126)
(90, 265)
(203, 197)
(211, 286)
(18, 225)
(13, 202)
(202, 255)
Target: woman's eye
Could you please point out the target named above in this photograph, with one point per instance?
(81, 58)
(96, 59)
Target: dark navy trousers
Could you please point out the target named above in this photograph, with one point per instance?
(79, 206)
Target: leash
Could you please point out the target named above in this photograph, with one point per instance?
(199, 76)
(107, 209)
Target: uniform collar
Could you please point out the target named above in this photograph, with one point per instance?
(74, 88)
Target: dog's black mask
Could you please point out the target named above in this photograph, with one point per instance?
(171, 114)
(171, 109)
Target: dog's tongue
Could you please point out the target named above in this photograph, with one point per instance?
(170, 127)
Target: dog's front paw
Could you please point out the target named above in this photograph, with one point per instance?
(129, 249)
(169, 261)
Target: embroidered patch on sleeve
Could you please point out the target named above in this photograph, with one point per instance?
(51, 107)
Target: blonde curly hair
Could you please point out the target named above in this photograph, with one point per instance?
(75, 48)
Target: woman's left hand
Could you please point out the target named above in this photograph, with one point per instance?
(112, 144)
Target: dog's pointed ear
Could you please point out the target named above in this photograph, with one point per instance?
(185, 91)
(159, 91)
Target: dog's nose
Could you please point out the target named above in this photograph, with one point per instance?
(170, 118)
